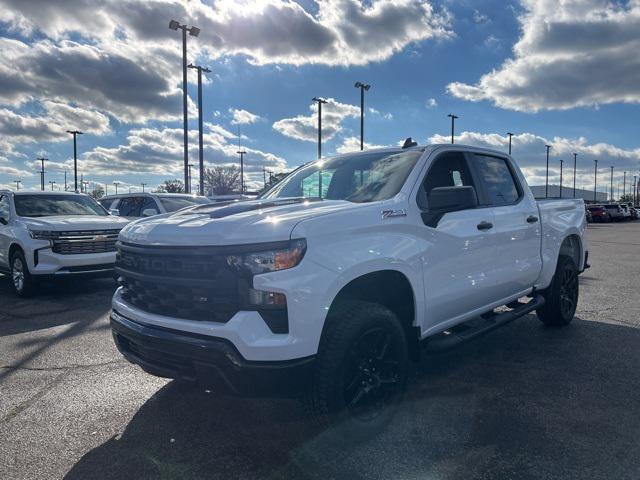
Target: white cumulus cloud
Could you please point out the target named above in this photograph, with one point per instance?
(571, 53)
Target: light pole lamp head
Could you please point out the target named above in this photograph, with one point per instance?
(194, 31)
(174, 25)
(241, 152)
(452, 116)
(362, 85)
(319, 100)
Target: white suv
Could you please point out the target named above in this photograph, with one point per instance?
(138, 205)
(45, 234)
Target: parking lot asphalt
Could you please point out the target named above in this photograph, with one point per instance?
(524, 402)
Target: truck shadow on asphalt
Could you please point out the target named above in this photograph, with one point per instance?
(523, 402)
(55, 303)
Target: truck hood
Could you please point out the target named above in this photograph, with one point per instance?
(64, 223)
(235, 223)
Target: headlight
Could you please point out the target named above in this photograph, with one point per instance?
(41, 234)
(270, 260)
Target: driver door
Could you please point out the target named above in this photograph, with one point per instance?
(459, 261)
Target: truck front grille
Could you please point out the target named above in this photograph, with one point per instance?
(95, 241)
(179, 282)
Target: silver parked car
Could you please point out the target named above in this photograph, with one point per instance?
(137, 205)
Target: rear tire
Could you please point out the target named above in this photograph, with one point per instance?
(562, 295)
(360, 371)
(21, 280)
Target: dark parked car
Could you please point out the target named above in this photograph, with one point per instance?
(599, 213)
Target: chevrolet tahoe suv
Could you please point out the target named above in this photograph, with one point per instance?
(54, 235)
(333, 281)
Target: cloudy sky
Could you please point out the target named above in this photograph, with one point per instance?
(562, 72)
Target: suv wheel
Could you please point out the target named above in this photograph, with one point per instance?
(21, 280)
(562, 295)
(360, 372)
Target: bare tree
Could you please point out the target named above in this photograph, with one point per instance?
(171, 186)
(97, 192)
(221, 180)
(273, 179)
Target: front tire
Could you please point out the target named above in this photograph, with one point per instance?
(562, 295)
(21, 280)
(360, 371)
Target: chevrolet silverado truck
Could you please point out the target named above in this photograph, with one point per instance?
(332, 282)
(54, 235)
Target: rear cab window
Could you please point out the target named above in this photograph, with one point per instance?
(498, 178)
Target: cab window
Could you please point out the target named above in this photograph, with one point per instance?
(4, 207)
(498, 180)
(448, 170)
(130, 206)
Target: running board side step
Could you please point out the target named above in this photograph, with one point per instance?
(478, 326)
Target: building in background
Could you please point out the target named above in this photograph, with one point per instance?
(567, 192)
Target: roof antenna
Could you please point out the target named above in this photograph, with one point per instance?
(409, 143)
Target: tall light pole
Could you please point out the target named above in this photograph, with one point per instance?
(75, 134)
(320, 102)
(635, 191)
(190, 177)
(624, 185)
(510, 135)
(42, 160)
(116, 184)
(200, 70)
(575, 163)
(194, 32)
(611, 193)
(595, 181)
(52, 183)
(546, 184)
(18, 182)
(242, 153)
(143, 185)
(561, 163)
(65, 181)
(453, 125)
(362, 87)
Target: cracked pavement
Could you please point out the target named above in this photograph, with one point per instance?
(524, 402)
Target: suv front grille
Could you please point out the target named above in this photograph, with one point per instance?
(179, 282)
(94, 241)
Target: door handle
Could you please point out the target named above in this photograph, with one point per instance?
(485, 226)
(532, 219)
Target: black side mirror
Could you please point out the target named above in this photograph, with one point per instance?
(444, 200)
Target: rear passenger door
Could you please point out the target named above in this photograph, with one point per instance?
(517, 230)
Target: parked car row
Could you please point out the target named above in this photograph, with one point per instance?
(47, 235)
(612, 212)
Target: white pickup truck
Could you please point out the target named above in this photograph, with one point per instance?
(53, 235)
(330, 283)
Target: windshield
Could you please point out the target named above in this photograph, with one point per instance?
(51, 205)
(359, 178)
(171, 204)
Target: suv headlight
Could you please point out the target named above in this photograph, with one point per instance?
(40, 234)
(270, 260)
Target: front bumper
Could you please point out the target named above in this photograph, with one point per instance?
(212, 362)
(44, 261)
